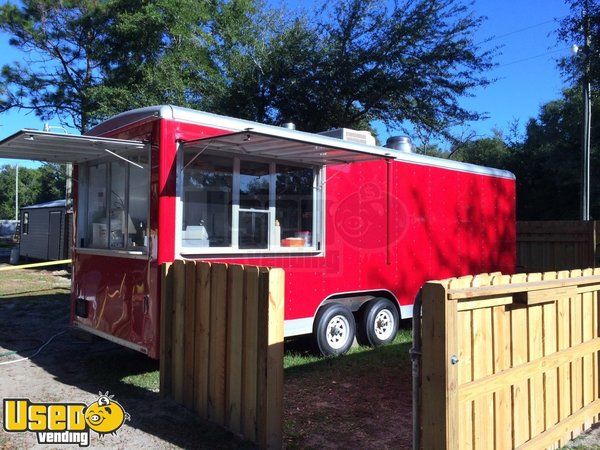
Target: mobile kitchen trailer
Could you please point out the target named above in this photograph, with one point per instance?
(357, 228)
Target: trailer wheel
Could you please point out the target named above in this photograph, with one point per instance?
(334, 329)
(378, 323)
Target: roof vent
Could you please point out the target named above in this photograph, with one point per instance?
(400, 143)
(289, 125)
(346, 134)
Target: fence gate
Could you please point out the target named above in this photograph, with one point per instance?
(510, 361)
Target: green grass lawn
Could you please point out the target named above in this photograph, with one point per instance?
(298, 358)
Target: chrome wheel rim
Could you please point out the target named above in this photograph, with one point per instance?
(384, 324)
(338, 332)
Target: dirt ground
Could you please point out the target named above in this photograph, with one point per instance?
(339, 403)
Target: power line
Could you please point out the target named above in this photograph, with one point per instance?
(520, 30)
(532, 57)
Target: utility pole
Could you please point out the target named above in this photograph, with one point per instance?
(587, 117)
(16, 191)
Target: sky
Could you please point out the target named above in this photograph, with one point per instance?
(527, 74)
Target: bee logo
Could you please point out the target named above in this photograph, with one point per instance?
(105, 415)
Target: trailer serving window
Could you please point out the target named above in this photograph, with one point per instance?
(257, 190)
(246, 204)
(114, 203)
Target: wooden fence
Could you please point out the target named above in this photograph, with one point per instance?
(556, 245)
(222, 345)
(510, 361)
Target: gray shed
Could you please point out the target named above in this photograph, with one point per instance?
(44, 231)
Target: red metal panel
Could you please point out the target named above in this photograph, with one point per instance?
(115, 289)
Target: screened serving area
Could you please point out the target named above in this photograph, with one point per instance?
(233, 200)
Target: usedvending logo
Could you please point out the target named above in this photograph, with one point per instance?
(64, 423)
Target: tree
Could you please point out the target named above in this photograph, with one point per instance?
(571, 32)
(546, 161)
(39, 185)
(88, 59)
(491, 152)
(547, 164)
(362, 62)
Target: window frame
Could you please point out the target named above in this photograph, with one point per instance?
(25, 222)
(83, 193)
(318, 233)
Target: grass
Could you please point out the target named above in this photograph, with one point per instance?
(298, 358)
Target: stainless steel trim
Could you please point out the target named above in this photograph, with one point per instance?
(113, 253)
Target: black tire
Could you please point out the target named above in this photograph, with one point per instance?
(334, 329)
(378, 323)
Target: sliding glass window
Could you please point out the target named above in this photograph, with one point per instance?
(233, 203)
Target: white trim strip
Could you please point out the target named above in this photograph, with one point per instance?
(235, 125)
(406, 311)
(297, 327)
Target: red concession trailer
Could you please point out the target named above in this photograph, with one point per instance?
(357, 228)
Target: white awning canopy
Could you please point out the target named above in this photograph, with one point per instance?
(308, 149)
(62, 148)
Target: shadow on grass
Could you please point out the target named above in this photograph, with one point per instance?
(95, 365)
(359, 400)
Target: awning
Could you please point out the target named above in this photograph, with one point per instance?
(62, 148)
(308, 149)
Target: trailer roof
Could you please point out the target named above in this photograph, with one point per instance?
(53, 204)
(235, 125)
(62, 148)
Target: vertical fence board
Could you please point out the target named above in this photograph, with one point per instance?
(520, 396)
(189, 334)
(587, 334)
(235, 312)
(178, 329)
(274, 370)
(535, 351)
(250, 356)
(217, 339)
(465, 374)
(483, 408)
(201, 337)
(166, 331)
(502, 400)
(576, 338)
(439, 382)
(550, 377)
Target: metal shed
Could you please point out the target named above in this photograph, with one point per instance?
(44, 231)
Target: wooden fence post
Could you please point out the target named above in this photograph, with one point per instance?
(166, 330)
(440, 375)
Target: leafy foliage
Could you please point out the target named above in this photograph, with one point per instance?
(547, 162)
(88, 59)
(571, 32)
(360, 61)
(40, 185)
